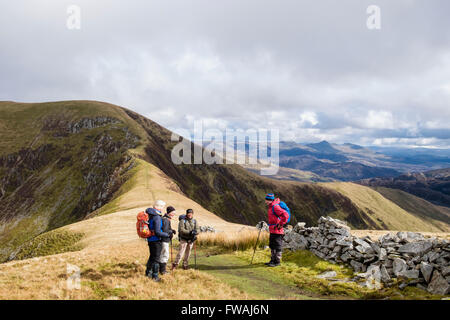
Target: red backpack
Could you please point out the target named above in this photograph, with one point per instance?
(142, 228)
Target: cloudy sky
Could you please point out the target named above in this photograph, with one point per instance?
(310, 68)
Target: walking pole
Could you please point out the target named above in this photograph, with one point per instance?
(195, 254)
(171, 252)
(256, 244)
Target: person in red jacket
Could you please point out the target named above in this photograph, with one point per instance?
(277, 218)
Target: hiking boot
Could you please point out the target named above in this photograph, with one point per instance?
(185, 268)
(267, 263)
(156, 279)
(162, 268)
(174, 266)
(273, 264)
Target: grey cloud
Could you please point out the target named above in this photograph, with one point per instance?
(241, 61)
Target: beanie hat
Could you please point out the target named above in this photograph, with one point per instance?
(189, 211)
(170, 209)
(270, 196)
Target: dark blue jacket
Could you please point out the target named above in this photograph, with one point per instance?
(155, 223)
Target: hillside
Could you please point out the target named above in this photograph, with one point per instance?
(62, 162)
(58, 162)
(285, 173)
(416, 205)
(433, 186)
(385, 213)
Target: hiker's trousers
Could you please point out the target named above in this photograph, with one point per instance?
(165, 252)
(275, 245)
(184, 251)
(153, 261)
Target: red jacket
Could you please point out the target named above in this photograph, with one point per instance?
(280, 217)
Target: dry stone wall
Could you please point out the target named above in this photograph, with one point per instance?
(409, 257)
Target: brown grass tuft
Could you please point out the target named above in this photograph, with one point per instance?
(234, 241)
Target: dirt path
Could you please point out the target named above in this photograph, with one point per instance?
(253, 279)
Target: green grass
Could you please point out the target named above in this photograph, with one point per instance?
(102, 291)
(50, 243)
(301, 268)
(254, 280)
(296, 278)
(435, 215)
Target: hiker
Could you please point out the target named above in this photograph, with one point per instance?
(154, 242)
(277, 218)
(187, 234)
(166, 241)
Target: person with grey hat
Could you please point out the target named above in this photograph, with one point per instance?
(187, 234)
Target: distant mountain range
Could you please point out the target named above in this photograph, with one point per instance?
(349, 162)
(324, 161)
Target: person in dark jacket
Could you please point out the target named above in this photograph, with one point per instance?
(167, 228)
(154, 242)
(277, 218)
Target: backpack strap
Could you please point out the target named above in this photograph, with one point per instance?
(153, 220)
(195, 223)
(273, 211)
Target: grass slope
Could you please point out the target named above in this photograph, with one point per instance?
(433, 214)
(385, 213)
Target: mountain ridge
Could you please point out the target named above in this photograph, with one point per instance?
(90, 152)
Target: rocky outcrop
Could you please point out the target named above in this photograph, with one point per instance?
(407, 256)
(62, 126)
(90, 123)
(207, 229)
